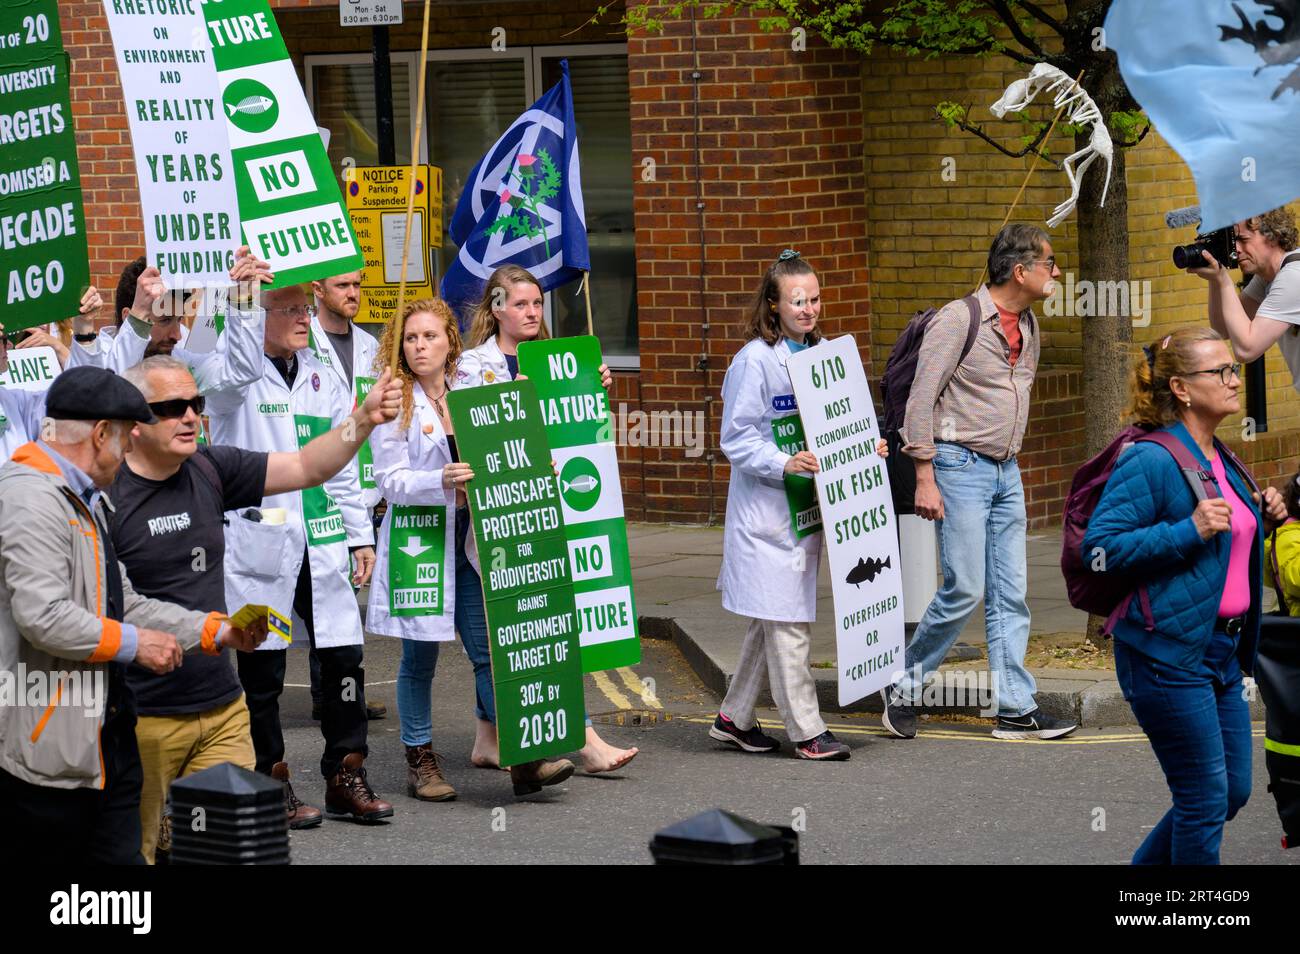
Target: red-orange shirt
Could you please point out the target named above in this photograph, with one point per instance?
(1011, 328)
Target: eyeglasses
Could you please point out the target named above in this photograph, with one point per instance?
(1049, 262)
(1225, 373)
(170, 410)
(297, 311)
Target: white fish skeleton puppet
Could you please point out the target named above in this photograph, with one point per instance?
(1081, 110)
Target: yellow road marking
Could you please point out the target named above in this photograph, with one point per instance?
(606, 685)
(953, 734)
(639, 688)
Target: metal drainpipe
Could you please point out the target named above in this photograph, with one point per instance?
(703, 364)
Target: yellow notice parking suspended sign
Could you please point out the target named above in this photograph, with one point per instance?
(376, 197)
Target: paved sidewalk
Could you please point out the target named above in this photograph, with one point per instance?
(675, 570)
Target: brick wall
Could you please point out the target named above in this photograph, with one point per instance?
(781, 135)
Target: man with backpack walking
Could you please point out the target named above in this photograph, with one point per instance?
(967, 407)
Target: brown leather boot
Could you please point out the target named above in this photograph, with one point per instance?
(348, 794)
(299, 813)
(531, 776)
(424, 775)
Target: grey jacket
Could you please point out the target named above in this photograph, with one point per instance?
(53, 631)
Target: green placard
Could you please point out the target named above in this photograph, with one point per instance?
(365, 459)
(800, 489)
(290, 207)
(44, 264)
(320, 512)
(518, 525)
(575, 409)
(417, 560)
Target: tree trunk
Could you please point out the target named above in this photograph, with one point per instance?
(1107, 338)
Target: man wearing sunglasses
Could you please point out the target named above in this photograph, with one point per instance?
(1269, 306)
(172, 500)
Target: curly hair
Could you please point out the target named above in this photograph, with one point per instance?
(1278, 226)
(1152, 401)
(397, 329)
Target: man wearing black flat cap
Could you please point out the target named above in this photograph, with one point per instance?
(70, 621)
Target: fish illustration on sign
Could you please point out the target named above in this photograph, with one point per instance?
(866, 571)
(250, 106)
(583, 484)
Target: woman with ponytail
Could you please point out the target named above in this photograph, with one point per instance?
(1180, 663)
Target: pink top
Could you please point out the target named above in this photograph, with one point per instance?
(1236, 591)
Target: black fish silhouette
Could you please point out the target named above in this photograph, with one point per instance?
(866, 570)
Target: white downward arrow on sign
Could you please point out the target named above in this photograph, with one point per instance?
(414, 547)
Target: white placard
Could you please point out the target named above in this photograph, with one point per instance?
(182, 150)
(370, 12)
(31, 369)
(840, 426)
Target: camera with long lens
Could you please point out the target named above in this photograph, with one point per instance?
(1221, 243)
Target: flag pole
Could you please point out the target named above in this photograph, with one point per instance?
(586, 291)
(410, 195)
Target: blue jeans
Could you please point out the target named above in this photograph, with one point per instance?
(1199, 726)
(471, 623)
(982, 552)
(415, 690)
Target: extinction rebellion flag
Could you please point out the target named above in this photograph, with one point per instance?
(1221, 81)
(522, 204)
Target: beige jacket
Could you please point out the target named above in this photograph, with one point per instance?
(981, 403)
(53, 630)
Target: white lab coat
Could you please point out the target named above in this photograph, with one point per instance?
(263, 561)
(408, 470)
(482, 365)
(364, 347)
(760, 576)
(20, 419)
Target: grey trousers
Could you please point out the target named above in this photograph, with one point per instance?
(776, 653)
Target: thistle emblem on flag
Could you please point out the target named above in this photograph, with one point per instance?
(525, 218)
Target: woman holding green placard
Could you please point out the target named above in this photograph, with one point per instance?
(421, 569)
(510, 313)
(768, 573)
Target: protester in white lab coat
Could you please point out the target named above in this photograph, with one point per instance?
(421, 477)
(767, 573)
(349, 352)
(21, 411)
(510, 312)
(302, 564)
(150, 320)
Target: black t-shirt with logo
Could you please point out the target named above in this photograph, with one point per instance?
(169, 536)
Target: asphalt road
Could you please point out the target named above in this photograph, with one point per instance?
(953, 795)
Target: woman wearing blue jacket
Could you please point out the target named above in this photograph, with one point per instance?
(1200, 563)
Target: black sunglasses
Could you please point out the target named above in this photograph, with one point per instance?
(177, 407)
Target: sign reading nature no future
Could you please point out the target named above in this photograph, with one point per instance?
(575, 409)
(227, 151)
(44, 268)
(518, 525)
(839, 421)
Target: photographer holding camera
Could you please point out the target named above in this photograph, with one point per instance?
(1270, 303)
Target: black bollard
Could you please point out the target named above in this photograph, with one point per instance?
(226, 815)
(718, 837)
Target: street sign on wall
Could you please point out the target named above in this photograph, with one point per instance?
(370, 12)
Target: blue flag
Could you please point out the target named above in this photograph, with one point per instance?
(1221, 82)
(522, 204)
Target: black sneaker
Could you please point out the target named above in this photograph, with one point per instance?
(1032, 725)
(747, 740)
(898, 718)
(825, 748)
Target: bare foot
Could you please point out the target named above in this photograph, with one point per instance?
(599, 756)
(485, 753)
